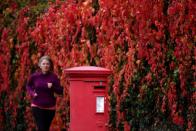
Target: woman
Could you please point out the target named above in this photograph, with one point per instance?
(41, 86)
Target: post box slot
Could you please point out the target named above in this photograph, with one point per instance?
(99, 87)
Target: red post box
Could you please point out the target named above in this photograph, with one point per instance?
(88, 98)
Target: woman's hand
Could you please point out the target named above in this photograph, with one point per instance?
(49, 85)
(34, 95)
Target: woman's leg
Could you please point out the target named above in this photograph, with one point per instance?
(43, 118)
(49, 115)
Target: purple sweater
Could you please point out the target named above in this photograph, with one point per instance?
(38, 83)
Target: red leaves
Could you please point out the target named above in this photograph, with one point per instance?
(4, 34)
(175, 8)
(164, 41)
(4, 60)
(171, 11)
(178, 120)
(22, 26)
(149, 77)
(14, 6)
(163, 105)
(171, 95)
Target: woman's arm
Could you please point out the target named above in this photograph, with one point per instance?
(30, 87)
(58, 89)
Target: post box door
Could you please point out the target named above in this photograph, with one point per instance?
(101, 107)
(89, 106)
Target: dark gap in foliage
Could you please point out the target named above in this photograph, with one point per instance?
(121, 85)
(93, 63)
(77, 39)
(165, 6)
(91, 32)
(149, 45)
(33, 50)
(126, 46)
(21, 123)
(13, 65)
(154, 27)
(95, 5)
(113, 112)
(113, 102)
(120, 125)
(111, 83)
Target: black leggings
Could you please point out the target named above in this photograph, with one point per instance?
(43, 118)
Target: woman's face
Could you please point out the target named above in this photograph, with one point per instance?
(45, 66)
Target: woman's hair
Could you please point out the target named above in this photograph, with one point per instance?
(48, 59)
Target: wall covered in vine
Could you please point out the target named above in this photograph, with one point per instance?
(149, 45)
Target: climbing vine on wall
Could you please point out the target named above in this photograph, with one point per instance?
(148, 45)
